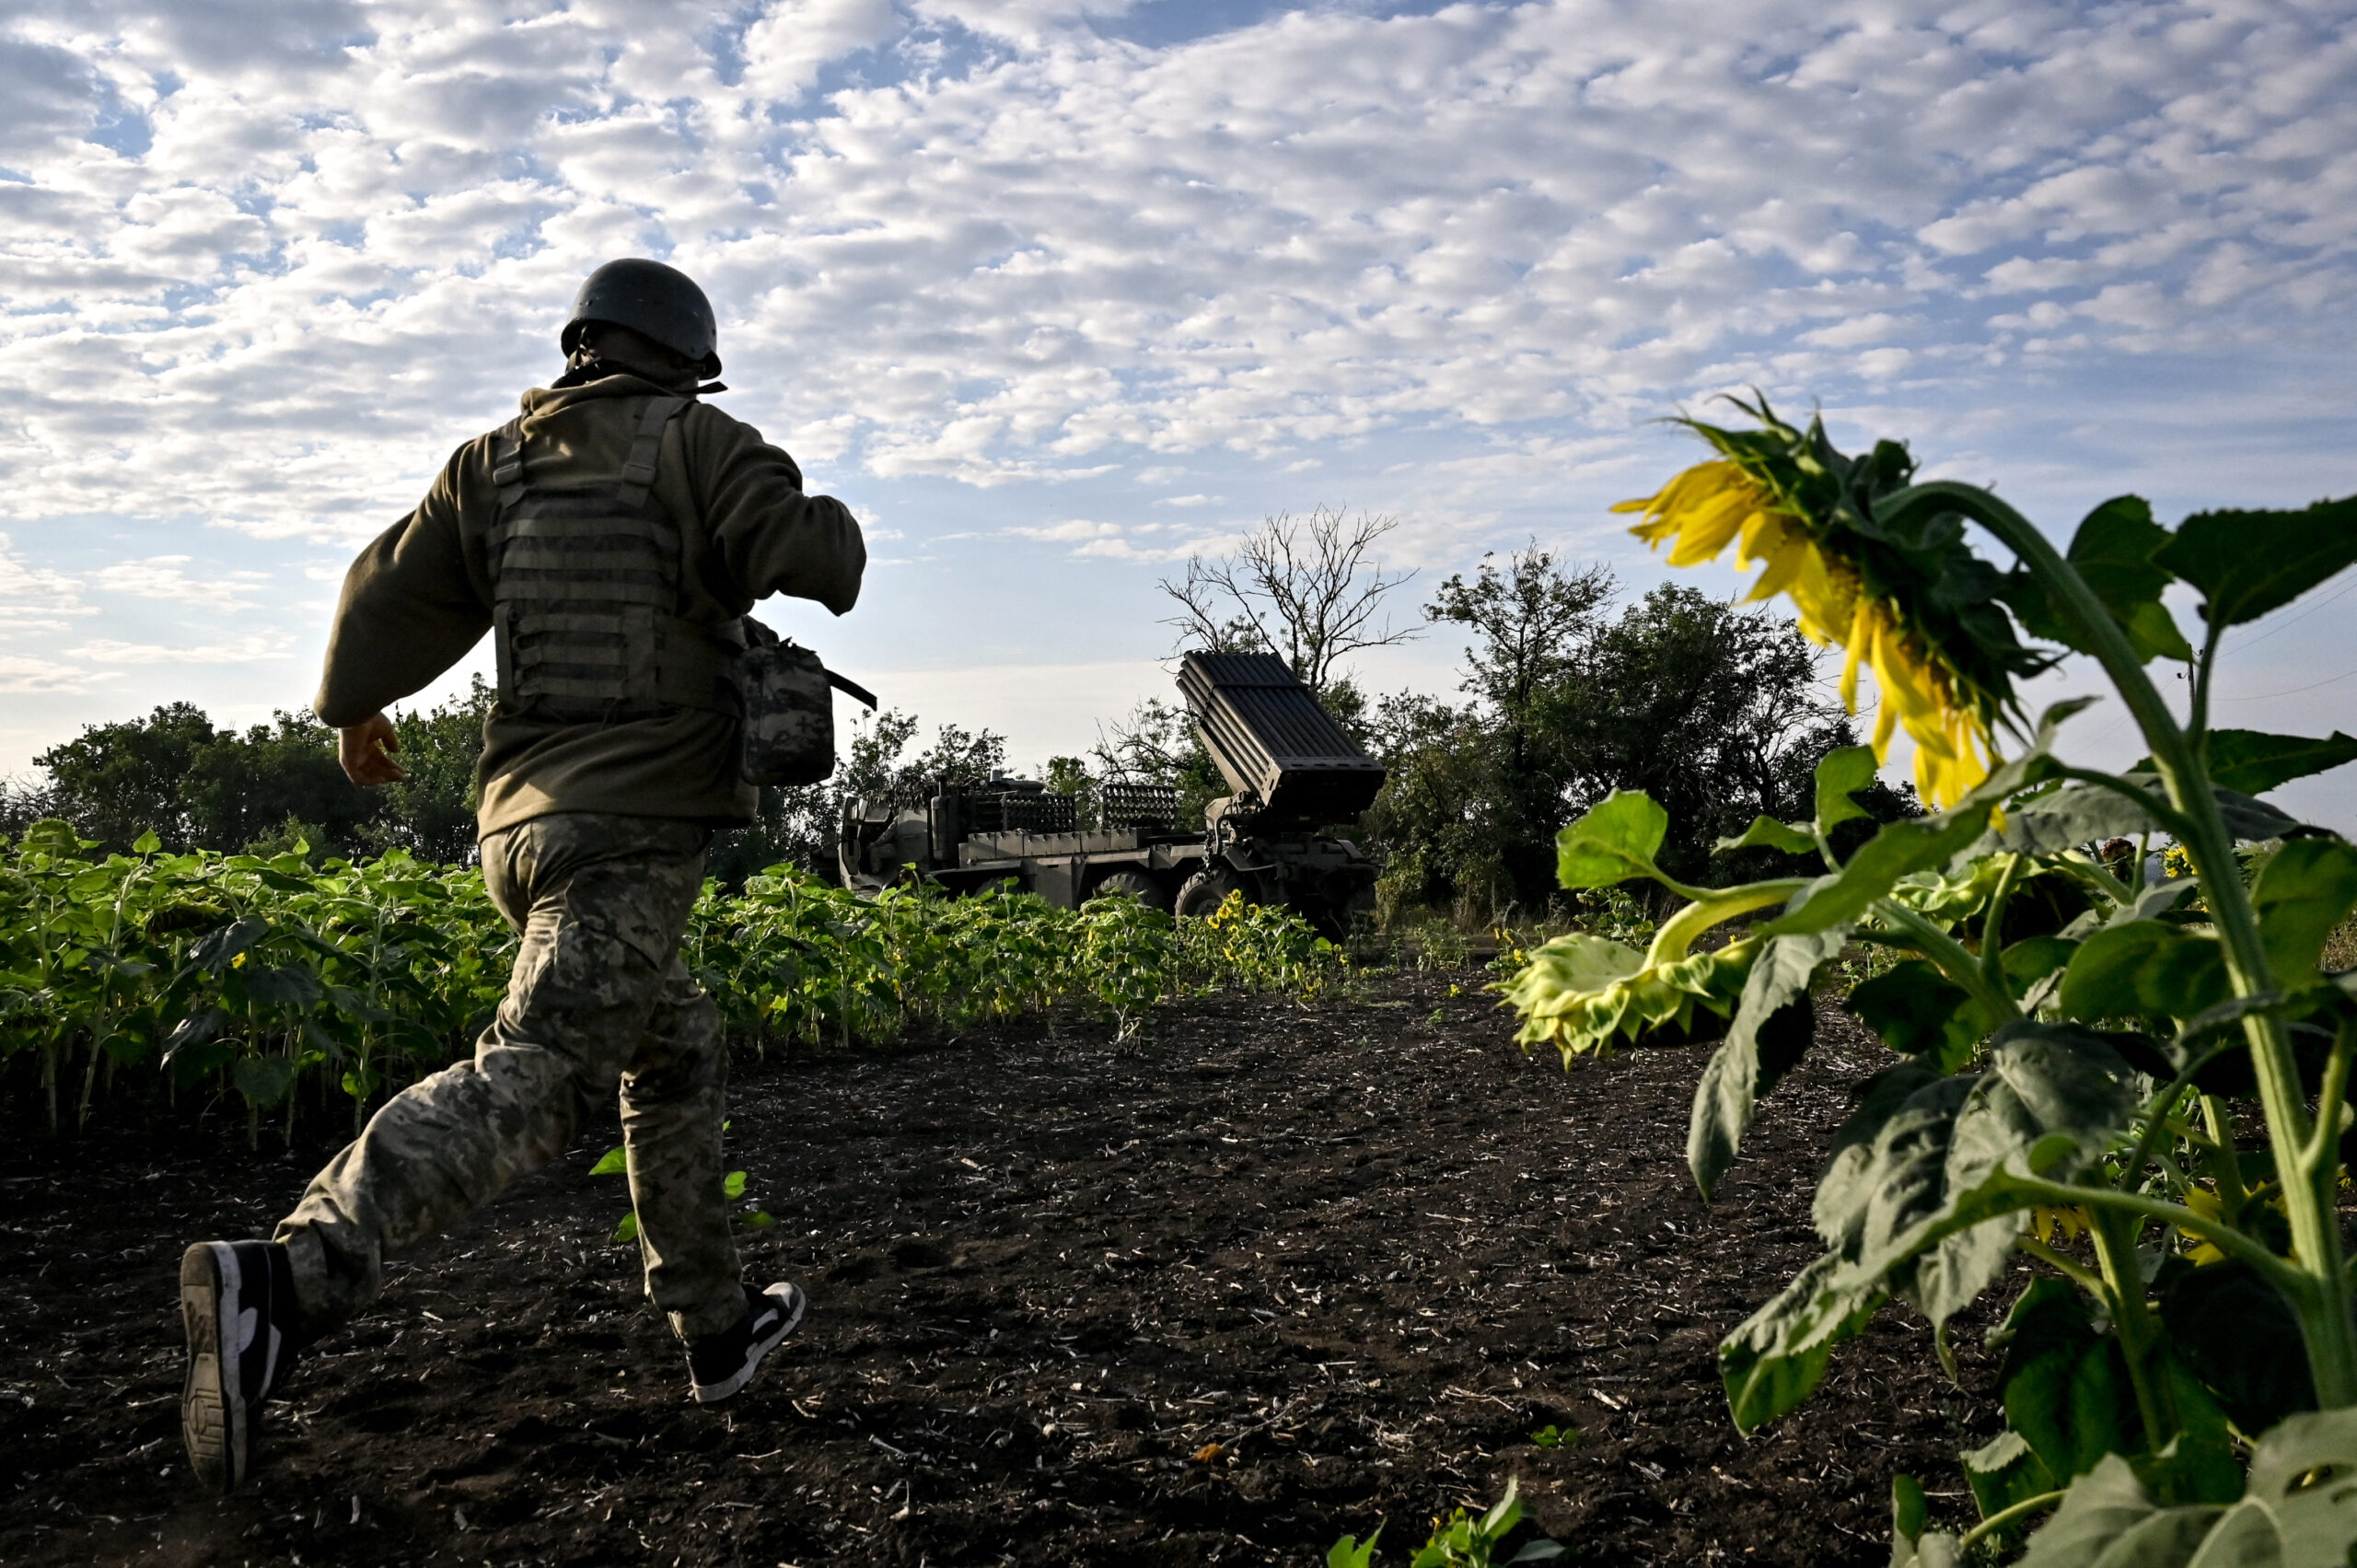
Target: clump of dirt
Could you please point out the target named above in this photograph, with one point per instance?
(1260, 1276)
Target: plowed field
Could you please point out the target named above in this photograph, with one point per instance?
(1257, 1277)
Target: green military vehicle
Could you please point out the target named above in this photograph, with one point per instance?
(1294, 775)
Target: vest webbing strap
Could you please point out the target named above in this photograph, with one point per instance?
(638, 468)
(585, 584)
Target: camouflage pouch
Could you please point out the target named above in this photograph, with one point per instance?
(789, 710)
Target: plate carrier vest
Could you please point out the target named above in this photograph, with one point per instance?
(586, 594)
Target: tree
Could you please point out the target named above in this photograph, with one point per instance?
(1535, 624)
(1442, 822)
(1309, 591)
(798, 825)
(1156, 744)
(202, 788)
(431, 812)
(1700, 704)
(1715, 711)
(117, 781)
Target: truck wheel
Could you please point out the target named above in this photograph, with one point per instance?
(1137, 885)
(1205, 891)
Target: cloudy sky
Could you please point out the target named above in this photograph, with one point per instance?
(1054, 292)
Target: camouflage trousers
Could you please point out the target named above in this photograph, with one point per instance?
(598, 1000)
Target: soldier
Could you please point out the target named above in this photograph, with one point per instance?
(611, 539)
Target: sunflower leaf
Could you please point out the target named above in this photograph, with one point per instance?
(2113, 552)
(2108, 1519)
(2144, 969)
(1920, 843)
(2315, 1522)
(2078, 814)
(2065, 1385)
(1920, 1196)
(2005, 1472)
(2307, 888)
(1773, 1026)
(2247, 563)
(1917, 1011)
(2253, 763)
(1614, 843)
(2242, 1337)
(1766, 832)
(1840, 776)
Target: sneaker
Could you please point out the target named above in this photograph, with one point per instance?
(719, 1364)
(238, 1304)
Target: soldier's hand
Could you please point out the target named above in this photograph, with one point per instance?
(362, 749)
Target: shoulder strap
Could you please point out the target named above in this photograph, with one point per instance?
(507, 462)
(638, 469)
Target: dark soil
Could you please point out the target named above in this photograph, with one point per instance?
(1257, 1278)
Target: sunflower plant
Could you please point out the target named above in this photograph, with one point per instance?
(2138, 1081)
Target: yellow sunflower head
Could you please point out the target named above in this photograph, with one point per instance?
(1802, 513)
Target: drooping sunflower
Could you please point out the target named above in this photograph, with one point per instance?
(1912, 604)
(1581, 993)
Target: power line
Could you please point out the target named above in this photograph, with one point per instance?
(2261, 636)
(2294, 691)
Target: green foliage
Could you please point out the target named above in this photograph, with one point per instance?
(1843, 775)
(2070, 1036)
(1919, 1197)
(2254, 764)
(431, 813)
(616, 1162)
(1467, 1541)
(797, 826)
(2146, 968)
(1775, 1025)
(283, 984)
(1614, 841)
(1461, 1541)
(2113, 552)
(196, 787)
(1917, 1010)
(2245, 563)
(2298, 1509)
(1712, 710)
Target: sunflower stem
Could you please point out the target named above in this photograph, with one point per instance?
(2197, 728)
(1955, 960)
(2069, 1268)
(1716, 907)
(2286, 1276)
(2115, 1235)
(2005, 1517)
(1992, 925)
(2072, 862)
(2318, 1288)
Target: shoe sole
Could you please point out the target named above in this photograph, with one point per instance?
(212, 1407)
(713, 1393)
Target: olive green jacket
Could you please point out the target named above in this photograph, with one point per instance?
(419, 597)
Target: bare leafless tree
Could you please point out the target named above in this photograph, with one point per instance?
(1309, 591)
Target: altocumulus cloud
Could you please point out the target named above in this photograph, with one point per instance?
(254, 253)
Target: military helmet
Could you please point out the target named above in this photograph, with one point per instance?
(659, 302)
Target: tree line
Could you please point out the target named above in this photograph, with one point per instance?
(1570, 689)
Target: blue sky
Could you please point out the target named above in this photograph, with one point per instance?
(1055, 292)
